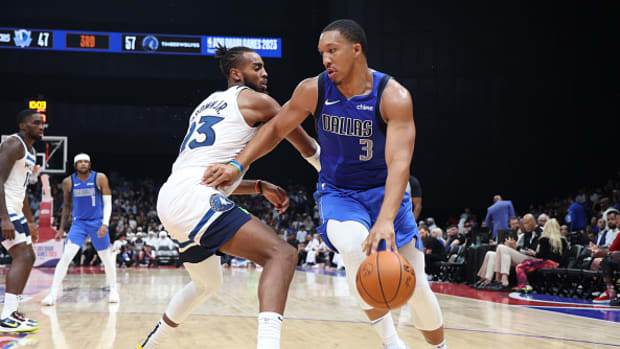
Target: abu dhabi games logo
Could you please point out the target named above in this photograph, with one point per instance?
(23, 38)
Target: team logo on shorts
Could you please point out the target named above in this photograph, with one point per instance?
(220, 203)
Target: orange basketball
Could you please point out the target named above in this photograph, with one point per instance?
(385, 279)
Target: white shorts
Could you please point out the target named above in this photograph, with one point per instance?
(188, 208)
(22, 232)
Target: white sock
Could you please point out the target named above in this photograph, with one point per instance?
(60, 272)
(269, 326)
(158, 335)
(107, 258)
(11, 301)
(441, 345)
(385, 328)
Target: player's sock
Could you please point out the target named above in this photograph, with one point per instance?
(441, 345)
(11, 301)
(269, 326)
(158, 335)
(61, 268)
(385, 328)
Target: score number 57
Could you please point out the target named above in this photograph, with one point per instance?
(130, 43)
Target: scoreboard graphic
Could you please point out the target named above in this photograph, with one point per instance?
(144, 43)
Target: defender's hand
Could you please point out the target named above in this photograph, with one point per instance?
(103, 229)
(8, 229)
(276, 195)
(382, 230)
(34, 231)
(220, 175)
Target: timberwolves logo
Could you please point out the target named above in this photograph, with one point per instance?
(220, 203)
(150, 43)
(23, 38)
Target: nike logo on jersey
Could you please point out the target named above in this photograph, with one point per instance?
(328, 102)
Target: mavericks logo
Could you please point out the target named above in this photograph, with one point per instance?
(220, 203)
(23, 38)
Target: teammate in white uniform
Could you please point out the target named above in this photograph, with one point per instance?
(202, 221)
(17, 161)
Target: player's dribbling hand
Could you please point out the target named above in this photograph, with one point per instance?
(8, 230)
(276, 195)
(220, 175)
(103, 229)
(34, 231)
(382, 230)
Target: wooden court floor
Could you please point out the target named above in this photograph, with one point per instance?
(320, 313)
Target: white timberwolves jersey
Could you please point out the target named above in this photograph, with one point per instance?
(217, 133)
(15, 185)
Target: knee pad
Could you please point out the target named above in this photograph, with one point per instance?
(347, 237)
(425, 312)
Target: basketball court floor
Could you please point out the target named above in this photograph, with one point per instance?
(320, 313)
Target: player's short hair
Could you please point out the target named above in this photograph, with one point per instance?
(25, 114)
(230, 58)
(350, 30)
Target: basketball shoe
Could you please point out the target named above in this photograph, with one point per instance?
(399, 345)
(17, 322)
(602, 299)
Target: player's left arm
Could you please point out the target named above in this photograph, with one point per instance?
(397, 110)
(273, 193)
(106, 193)
(34, 230)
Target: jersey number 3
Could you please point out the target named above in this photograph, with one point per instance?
(204, 127)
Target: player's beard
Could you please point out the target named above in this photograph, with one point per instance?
(253, 86)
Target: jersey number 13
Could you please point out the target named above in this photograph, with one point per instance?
(204, 127)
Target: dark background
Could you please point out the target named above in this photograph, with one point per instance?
(517, 98)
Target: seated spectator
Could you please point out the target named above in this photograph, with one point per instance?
(301, 233)
(147, 257)
(89, 256)
(608, 235)
(609, 264)
(323, 253)
(512, 252)
(433, 251)
(117, 247)
(552, 252)
(312, 248)
(164, 240)
(452, 233)
(542, 219)
(151, 238)
(437, 234)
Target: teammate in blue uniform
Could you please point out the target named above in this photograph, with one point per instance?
(366, 132)
(87, 198)
(17, 161)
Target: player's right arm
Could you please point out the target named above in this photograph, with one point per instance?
(10, 151)
(301, 104)
(67, 207)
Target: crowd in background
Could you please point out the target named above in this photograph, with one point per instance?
(138, 234)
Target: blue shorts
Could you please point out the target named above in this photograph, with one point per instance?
(218, 233)
(81, 229)
(363, 206)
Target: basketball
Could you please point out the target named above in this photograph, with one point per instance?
(385, 279)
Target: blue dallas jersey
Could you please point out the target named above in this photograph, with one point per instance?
(87, 198)
(352, 135)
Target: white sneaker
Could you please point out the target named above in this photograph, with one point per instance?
(17, 322)
(399, 345)
(49, 300)
(114, 297)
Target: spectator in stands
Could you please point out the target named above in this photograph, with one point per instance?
(576, 216)
(498, 214)
(609, 264)
(514, 223)
(151, 239)
(512, 252)
(147, 257)
(452, 236)
(312, 248)
(164, 240)
(551, 252)
(117, 247)
(563, 231)
(322, 254)
(433, 251)
(543, 218)
(607, 236)
(89, 256)
(437, 234)
(600, 225)
(301, 233)
(464, 217)
(415, 190)
(430, 223)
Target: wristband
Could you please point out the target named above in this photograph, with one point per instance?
(258, 186)
(237, 165)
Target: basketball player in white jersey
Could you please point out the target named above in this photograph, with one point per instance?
(203, 221)
(87, 204)
(17, 160)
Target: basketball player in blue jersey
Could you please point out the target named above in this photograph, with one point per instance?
(17, 161)
(366, 132)
(88, 199)
(202, 221)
